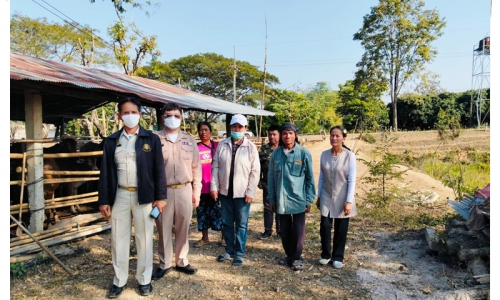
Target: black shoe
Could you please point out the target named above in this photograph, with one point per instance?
(265, 235)
(187, 269)
(145, 289)
(160, 273)
(115, 291)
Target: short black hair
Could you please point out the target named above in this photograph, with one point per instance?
(206, 124)
(273, 127)
(129, 99)
(171, 106)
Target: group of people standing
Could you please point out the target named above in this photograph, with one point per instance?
(142, 171)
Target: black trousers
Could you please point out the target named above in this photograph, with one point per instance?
(293, 232)
(341, 226)
(268, 215)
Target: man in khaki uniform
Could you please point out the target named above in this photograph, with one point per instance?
(183, 172)
(131, 183)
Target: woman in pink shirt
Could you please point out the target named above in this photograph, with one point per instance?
(208, 213)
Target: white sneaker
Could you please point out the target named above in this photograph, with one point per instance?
(337, 264)
(324, 261)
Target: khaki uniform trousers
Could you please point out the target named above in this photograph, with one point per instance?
(127, 205)
(179, 210)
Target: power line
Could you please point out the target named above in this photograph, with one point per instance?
(74, 23)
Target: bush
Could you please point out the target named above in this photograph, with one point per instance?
(18, 270)
(369, 138)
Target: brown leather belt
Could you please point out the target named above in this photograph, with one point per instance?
(176, 186)
(130, 189)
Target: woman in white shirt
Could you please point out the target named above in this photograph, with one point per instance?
(336, 184)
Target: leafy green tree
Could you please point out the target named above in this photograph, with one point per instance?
(383, 172)
(130, 46)
(294, 107)
(359, 108)
(211, 74)
(67, 43)
(397, 37)
(325, 101)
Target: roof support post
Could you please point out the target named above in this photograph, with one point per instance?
(228, 126)
(159, 119)
(34, 130)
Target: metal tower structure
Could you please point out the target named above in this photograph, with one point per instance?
(480, 79)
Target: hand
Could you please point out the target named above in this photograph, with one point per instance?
(308, 208)
(214, 194)
(347, 208)
(196, 201)
(161, 204)
(248, 199)
(105, 210)
(318, 203)
(273, 208)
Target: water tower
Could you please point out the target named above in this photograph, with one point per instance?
(480, 80)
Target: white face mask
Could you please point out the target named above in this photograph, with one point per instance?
(172, 122)
(131, 120)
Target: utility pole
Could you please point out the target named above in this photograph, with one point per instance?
(235, 70)
(264, 81)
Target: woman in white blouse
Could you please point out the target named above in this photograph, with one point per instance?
(336, 184)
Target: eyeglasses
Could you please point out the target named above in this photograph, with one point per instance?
(169, 116)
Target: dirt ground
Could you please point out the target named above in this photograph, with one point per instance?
(380, 262)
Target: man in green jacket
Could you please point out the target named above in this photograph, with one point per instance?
(291, 192)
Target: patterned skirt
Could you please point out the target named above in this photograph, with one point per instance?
(208, 213)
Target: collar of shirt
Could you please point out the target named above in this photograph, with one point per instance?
(128, 136)
(239, 142)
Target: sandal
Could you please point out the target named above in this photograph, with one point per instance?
(285, 261)
(200, 244)
(298, 265)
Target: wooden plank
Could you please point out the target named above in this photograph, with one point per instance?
(75, 154)
(58, 180)
(71, 172)
(64, 238)
(16, 206)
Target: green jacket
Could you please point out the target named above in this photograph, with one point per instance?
(290, 180)
(264, 157)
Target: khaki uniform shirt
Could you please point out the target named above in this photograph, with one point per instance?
(182, 160)
(125, 159)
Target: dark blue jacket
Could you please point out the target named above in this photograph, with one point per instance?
(151, 180)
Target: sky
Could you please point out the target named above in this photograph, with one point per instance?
(307, 41)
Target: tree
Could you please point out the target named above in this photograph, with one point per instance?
(396, 36)
(383, 173)
(327, 100)
(359, 108)
(119, 5)
(210, 74)
(124, 39)
(67, 43)
(294, 107)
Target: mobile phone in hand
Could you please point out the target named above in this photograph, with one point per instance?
(154, 213)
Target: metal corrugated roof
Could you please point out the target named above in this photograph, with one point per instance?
(24, 67)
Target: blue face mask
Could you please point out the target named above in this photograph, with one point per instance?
(237, 135)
